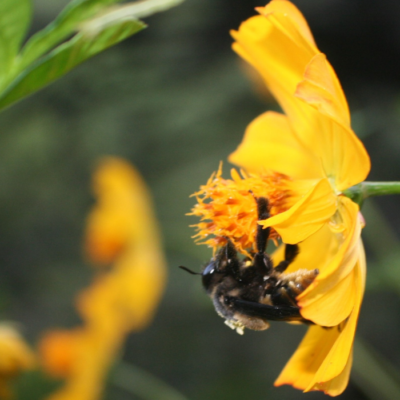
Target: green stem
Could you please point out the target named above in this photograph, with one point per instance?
(358, 193)
(143, 384)
(374, 375)
(380, 188)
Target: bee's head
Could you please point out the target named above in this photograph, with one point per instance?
(212, 275)
(223, 264)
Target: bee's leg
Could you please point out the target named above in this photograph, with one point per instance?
(262, 260)
(282, 296)
(291, 252)
(232, 261)
(262, 234)
(264, 311)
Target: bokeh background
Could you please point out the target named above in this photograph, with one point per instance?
(174, 100)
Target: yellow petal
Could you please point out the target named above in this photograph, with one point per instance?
(109, 225)
(280, 60)
(323, 358)
(123, 212)
(328, 301)
(346, 158)
(337, 385)
(132, 289)
(59, 351)
(124, 296)
(305, 362)
(330, 298)
(279, 48)
(321, 88)
(270, 144)
(279, 45)
(336, 360)
(330, 306)
(289, 19)
(15, 354)
(348, 225)
(15, 357)
(141, 287)
(314, 252)
(307, 216)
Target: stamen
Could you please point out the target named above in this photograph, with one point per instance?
(228, 209)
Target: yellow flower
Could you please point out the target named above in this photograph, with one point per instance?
(58, 349)
(302, 161)
(121, 230)
(15, 357)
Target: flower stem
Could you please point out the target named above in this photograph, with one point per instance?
(358, 193)
(380, 188)
(139, 382)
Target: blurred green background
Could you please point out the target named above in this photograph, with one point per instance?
(174, 101)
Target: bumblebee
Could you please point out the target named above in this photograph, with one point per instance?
(249, 293)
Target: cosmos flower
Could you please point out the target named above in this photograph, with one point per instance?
(122, 234)
(15, 357)
(302, 161)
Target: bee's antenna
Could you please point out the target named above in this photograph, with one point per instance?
(189, 270)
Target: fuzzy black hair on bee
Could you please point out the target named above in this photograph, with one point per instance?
(249, 293)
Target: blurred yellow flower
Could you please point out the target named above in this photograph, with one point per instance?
(121, 230)
(15, 357)
(302, 162)
(58, 349)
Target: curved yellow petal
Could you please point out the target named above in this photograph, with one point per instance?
(337, 385)
(289, 20)
(336, 360)
(321, 88)
(305, 362)
(122, 297)
(279, 59)
(334, 251)
(270, 144)
(307, 216)
(330, 298)
(121, 215)
(15, 354)
(58, 350)
(348, 226)
(328, 306)
(15, 358)
(323, 358)
(279, 47)
(314, 252)
(345, 156)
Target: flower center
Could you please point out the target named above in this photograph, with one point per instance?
(228, 210)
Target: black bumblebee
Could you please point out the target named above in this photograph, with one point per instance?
(249, 293)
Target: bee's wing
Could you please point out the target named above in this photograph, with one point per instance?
(267, 312)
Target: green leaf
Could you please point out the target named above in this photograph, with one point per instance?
(40, 63)
(15, 16)
(76, 13)
(61, 28)
(67, 56)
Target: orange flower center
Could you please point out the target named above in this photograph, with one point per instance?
(228, 209)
